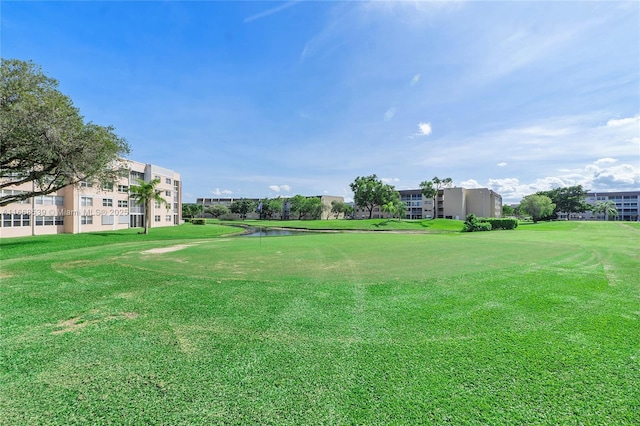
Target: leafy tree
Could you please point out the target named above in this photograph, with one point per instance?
(297, 205)
(44, 139)
(348, 210)
(508, 210)
(395, 207)
(337, 207)
(217, 210)
(608, 208)
(242, 207)
(567, 200)
(314, 207)
(537, 206)
(146, 193)
(369, 191)
(431, 188)
(267, 207)
(190, 210)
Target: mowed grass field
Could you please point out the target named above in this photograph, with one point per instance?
(540, 325)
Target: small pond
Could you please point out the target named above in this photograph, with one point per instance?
(268, 232)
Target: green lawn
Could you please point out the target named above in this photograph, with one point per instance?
(540, 325)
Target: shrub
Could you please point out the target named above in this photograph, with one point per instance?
(472, 224)
(199, 221)
(505, 223)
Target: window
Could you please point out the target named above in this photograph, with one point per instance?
(107, 186)
(50, 200)
(85, 184)
(49, 220)
(107, 202)
(123, 203)
(167, 193)
(157, 218)
(168, 218)
(86, 220)
(123, 189)
(86, 201)
(167, 181)
(6, 220)
(107, 220)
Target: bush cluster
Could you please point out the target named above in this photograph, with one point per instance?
(199, 221)
(472, 224)
(496, 223)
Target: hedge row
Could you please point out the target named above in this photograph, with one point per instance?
(474, 224)
(506, 223)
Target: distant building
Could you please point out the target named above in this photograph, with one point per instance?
(450, 203)
(627, 204)
(85, 208)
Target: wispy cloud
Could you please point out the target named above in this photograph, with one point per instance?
(502, 164)
(271, 11)
(623, 121)
(415, 80)
(388, 115)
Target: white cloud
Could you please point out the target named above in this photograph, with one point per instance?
(219, 192)
(278, 188)
(388, 115)
(415, 79)
(597, 176)
(389, 180)
(502, 164)
(623, 121)
(471, 183)
(425, 129)
(606, 161)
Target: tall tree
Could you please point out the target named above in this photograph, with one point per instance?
(217, 210)
(369, 191)
(297, 205)
(430, 189)
(191, 209)
(537, 206)
(242, 207)
(146, 193)
(337, 207)
(568, 200)
(267, 207)
(44, 139)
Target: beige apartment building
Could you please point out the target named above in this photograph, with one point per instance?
(450, 203)
(86, 208)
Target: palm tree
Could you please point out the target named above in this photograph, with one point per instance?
(608, 208)
(146, 193)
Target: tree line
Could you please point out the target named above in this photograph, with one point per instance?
(547, 205)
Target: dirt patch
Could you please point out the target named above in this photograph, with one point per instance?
(78, 323)
(169, 249)
(166, 249)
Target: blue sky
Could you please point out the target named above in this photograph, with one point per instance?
(256, 99)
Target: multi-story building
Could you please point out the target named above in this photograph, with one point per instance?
(86, 208)
(627, 203)
(450, 203)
